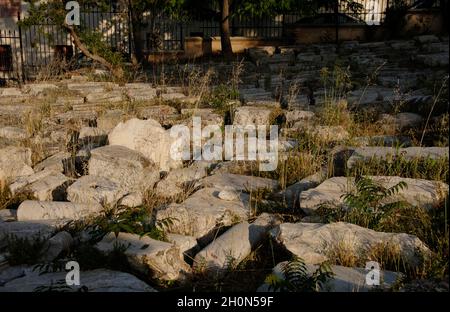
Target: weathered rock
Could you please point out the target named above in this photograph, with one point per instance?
(110, 119)
(370, 95)
(11, 92)
(426, 39)
(130, 169)
(434, 60)
(43, 185)
(163, 260)
(99, 280)
(13, 133)
(229, 194)
(419, 192)
(383, 140)
(25, 229)
(55, 245)
(344, 279)
(329, 133)
(8, 215)
(400, 122)
(291, 194)
(85, 118)
(46, 210)
(95, 190)
(309, 58)
(286, 145)
(298, 115)
(234, 245)
(60, 162)
(173, 96)
(162, 113)
(21, 182)
(132, 199)
(69, 100)
(10, 273)
(178, 180)
(207, 116)
(141, 93)
(110, 97)
(38, 88)
(91, 86)
(249, 115)
(148, 138)
(15, 162)
(187, 244)
(91, 137)
(314, 242)
(202, 212)
(239, 182)
(365, 154)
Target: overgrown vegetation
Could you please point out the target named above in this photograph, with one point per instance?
(249, 274)
(24, 250)
(374, 206)
(129, 220)
(417, 168)
(296, 277)
(10, 201)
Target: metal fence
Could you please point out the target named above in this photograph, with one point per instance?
(24, 51)
(10, 54)
(171, 33)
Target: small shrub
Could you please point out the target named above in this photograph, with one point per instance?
(129, 220)
(45, 109)
(367, 206)
(33, 123)
(25, 250)
(221, 96)
(297, 279)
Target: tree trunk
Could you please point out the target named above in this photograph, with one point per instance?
(138, 47)
(117, 71)
(225, 38)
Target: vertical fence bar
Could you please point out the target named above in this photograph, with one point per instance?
(21, 49)
(336, 14)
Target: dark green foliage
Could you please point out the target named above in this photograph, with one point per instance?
(368, 206)
(97, 45)
(297, 279)
(369, 195)
(25, 250)
(220, 97)
(129, 220)
(248, 275)
(395, 17)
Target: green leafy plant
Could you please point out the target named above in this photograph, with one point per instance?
(297, 279)
(221, 97)
(368, 205)
(130, 220)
